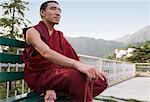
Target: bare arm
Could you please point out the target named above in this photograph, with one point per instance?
(33, 38)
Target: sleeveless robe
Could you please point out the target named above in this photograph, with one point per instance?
(41, 74)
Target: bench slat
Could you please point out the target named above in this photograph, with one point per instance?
(40, 98)
(10, 76)
(10, 58)
(26, 97)
(30, 97)
(11, 42)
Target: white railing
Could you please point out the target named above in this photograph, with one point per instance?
(142, 69)
(15, 84)
(117, 71)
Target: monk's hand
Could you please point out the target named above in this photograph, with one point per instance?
(102, 75)
(89, 70)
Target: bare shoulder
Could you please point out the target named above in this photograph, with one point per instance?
(32, 34)
(32, 31)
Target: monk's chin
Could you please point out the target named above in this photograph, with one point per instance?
(53, 22)
(56, 23)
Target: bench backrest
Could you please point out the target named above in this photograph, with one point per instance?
(10, 58)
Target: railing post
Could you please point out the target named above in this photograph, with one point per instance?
(100, 64)
(8, 83)
(0, 67)
(16, 82)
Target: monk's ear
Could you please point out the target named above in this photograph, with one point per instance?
(42, 13)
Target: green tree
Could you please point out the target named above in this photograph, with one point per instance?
(111, 56)
(141, 54)
(13, 18)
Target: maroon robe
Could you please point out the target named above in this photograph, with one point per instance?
(41, 74)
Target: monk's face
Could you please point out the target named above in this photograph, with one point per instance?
(52, 13)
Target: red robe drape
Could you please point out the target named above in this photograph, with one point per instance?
(36, 64)
(41, 74)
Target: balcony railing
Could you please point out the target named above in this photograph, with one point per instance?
(117, 71)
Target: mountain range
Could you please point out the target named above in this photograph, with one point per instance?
(93, 47)
(101, 48)
(141, 35)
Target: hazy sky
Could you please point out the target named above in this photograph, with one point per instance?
(107, 19)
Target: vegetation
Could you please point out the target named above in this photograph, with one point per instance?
(13, 18)
(141, 54)
(114, 99)
(11, 22)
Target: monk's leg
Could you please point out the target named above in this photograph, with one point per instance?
(74, 83)
(99, 86)
(77, 87)
(71, 81)
(67, 81)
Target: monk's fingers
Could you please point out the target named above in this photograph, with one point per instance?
(89, 76)
(93, 73)
(100, 76)
(104, 74)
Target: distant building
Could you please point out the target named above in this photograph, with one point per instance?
(120, 53)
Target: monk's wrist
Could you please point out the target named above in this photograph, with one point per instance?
(75, 63)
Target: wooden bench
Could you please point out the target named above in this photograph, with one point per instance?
(9, 76)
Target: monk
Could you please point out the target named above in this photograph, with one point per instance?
(52, 65)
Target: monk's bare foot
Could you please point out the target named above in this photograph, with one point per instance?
(50, 96)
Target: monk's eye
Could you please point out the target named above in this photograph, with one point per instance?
(55, 8)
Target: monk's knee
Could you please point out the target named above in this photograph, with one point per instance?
(105, 84)
(99, 87)
(77, 82)
(76, 75)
